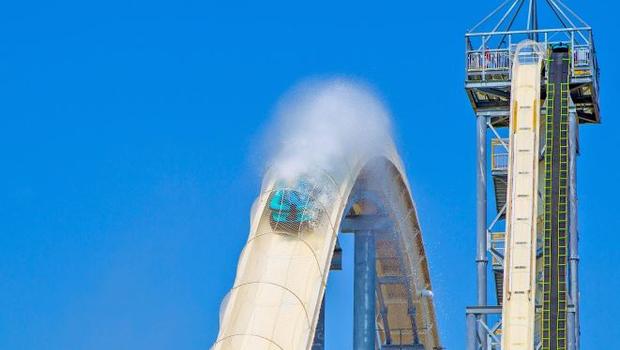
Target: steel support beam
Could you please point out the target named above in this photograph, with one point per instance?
(384, 316)
(472, 343)
(573, 248)
(484, 310)
(354, 224)
(478, 332)
(364, 323)
(481, 218)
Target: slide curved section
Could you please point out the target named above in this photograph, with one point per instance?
(283, 268)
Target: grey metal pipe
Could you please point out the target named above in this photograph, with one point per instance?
(535, 17)
(319, 333)
(573, 139)
(471, 332)
(481, 217)
(364, 326)
(570, 326)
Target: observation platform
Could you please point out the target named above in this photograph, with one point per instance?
(489, 58)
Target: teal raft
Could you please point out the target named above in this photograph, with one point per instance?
(293, 206)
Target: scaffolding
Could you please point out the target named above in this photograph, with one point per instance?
(489, 54)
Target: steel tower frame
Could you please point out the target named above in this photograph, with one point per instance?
(488, 81)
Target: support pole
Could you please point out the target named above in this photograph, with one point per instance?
(319, 334)
(364, 331)
(471, 332)
(535, 18)
(573, 321)
(481, 219)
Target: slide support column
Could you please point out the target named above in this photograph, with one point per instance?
(364, 331)
(471, 332)
(573, 321)
(481, 220)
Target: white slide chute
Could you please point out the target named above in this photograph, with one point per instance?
(283, 269)
(519, 314)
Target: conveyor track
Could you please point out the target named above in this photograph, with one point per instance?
(555, 237)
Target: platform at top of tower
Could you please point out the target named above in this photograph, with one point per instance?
(490, 47)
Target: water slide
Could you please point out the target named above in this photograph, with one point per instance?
(520, 268)
(283, 269)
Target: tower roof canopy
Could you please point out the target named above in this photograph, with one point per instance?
(529, 15)
(540, 20)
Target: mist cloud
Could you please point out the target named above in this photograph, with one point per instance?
(323, 124)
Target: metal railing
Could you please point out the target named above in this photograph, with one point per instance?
(488, 60)
(499, 155)
(489, 56)
(497, 243)
(582, 56)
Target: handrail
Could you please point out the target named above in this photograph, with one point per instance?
(500, 60)
(499, 155)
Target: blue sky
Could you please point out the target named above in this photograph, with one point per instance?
(128, 135)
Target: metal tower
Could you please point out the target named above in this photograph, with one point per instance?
(569, 87)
